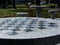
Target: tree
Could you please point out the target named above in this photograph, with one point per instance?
(56, 2)
(26, 2)
(14, 6)
(48, 1)
(4, 3)
(37, 2)
(9, 2)
(0, 3)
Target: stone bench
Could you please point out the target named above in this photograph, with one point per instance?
(53, 13)
(22, 14)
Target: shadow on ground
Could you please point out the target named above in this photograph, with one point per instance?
(41, 41)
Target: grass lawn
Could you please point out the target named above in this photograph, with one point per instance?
(12, 12)
(6, 13)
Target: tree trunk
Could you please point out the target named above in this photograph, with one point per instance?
(48, 1)
(37, 2)
(0, 3)
(14, 4)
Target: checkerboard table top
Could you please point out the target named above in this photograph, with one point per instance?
(28, 27)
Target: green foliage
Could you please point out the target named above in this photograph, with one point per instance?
(51, 4)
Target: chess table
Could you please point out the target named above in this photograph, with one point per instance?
(29, 30)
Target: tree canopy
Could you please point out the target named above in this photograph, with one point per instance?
(5, 3)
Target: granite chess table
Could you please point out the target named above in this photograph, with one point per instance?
(29, 31)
